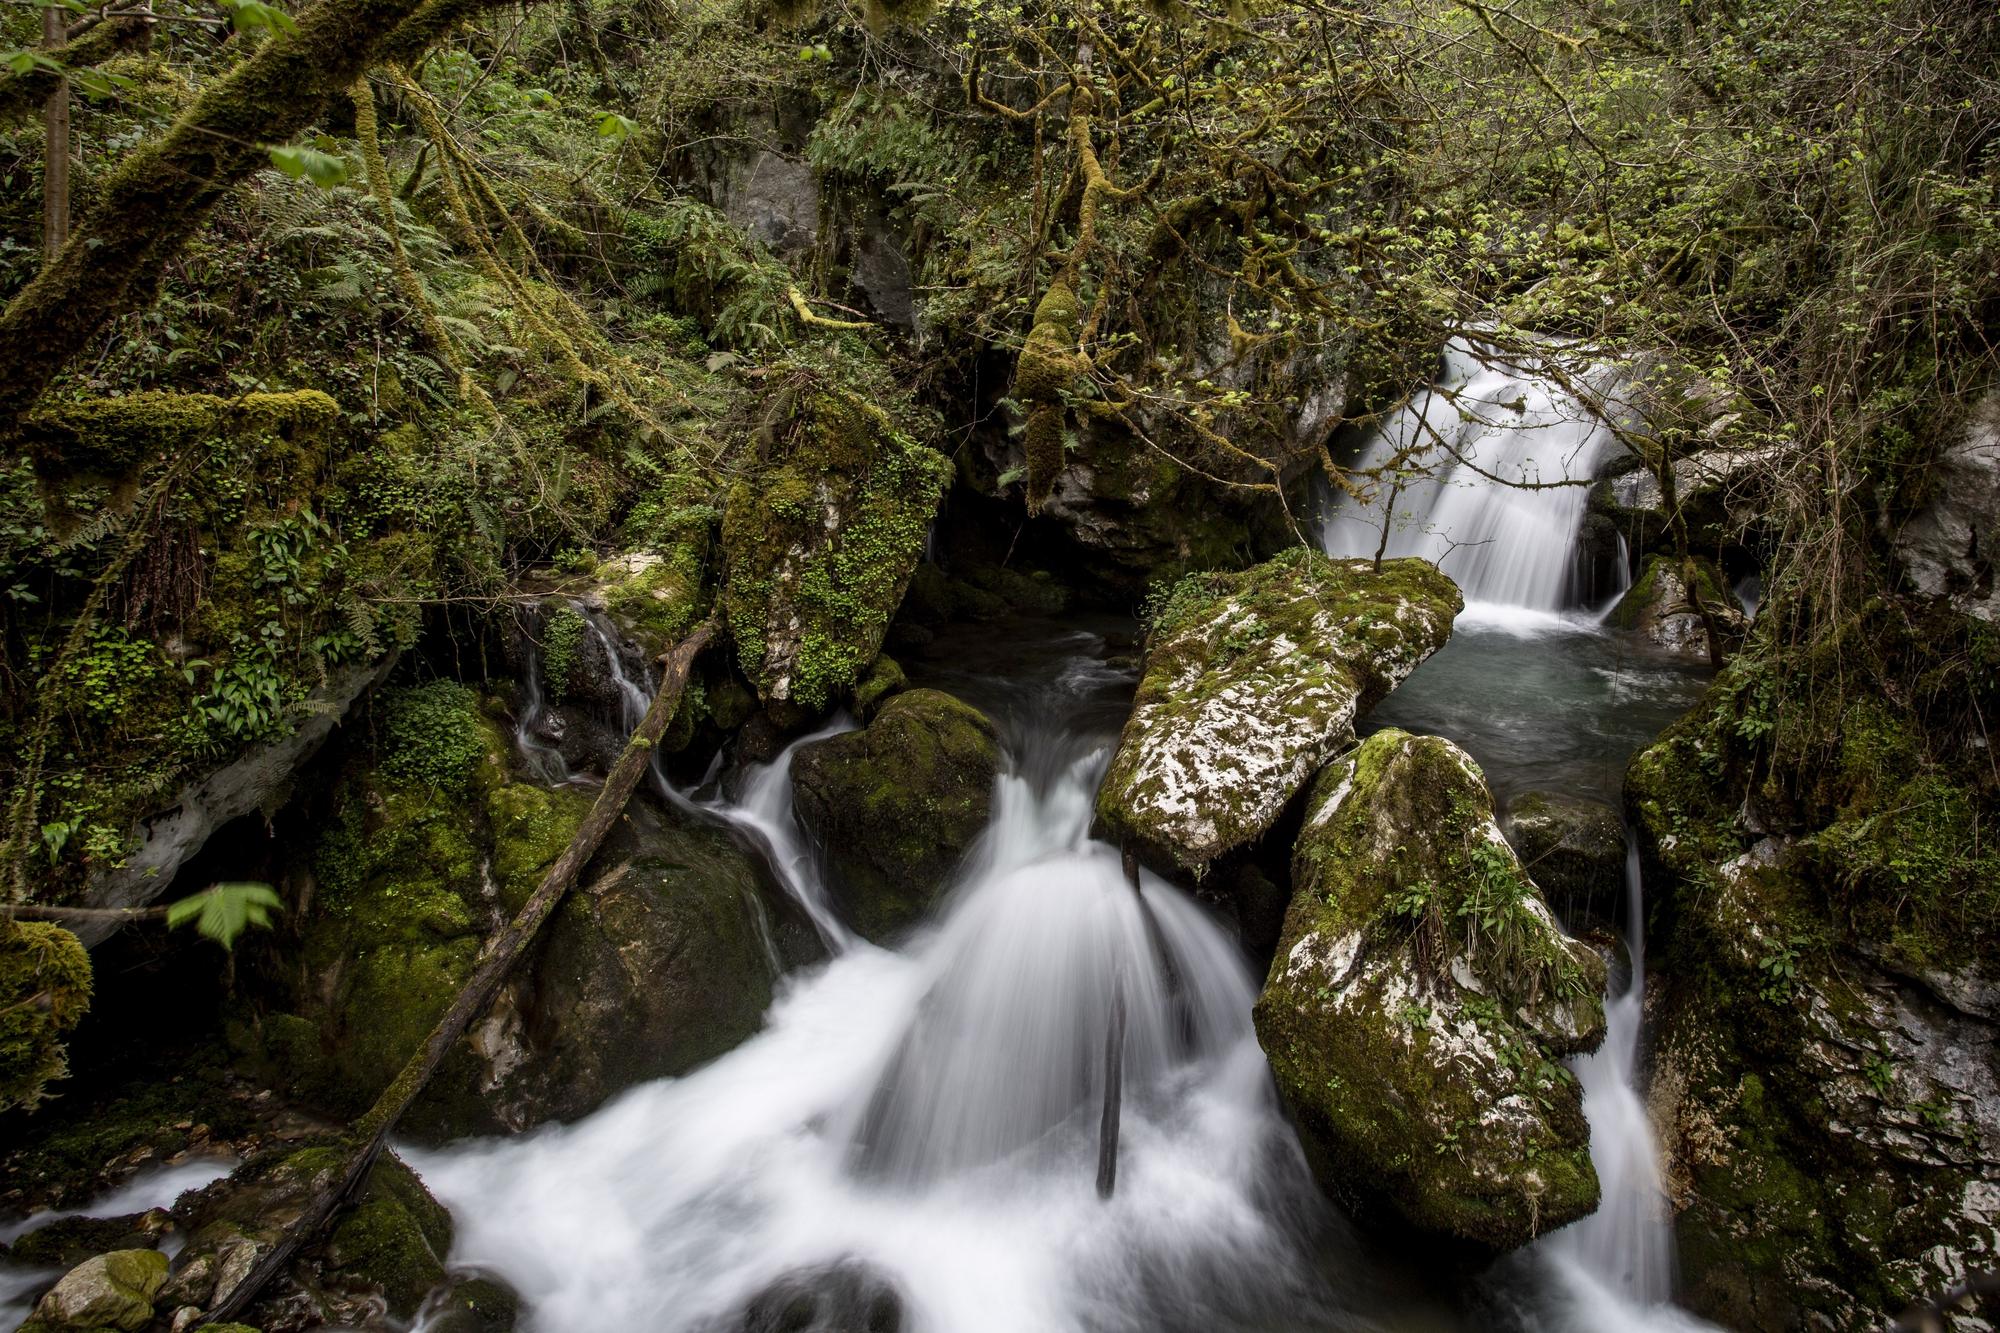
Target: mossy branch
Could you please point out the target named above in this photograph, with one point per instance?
(21, 94)
(807, 317)
(369, 1133)
(161, 194)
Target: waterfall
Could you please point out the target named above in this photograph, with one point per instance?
(928, 1119)
(1471, 446)
(1615, 1269)
(764, 814)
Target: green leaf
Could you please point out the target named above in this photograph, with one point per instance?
(246, 14)
(323, 169)
(223, 912)
(615, 127)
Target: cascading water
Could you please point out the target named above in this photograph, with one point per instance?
(1484, 452)
(930, 1118)
(1615, 1268)
(763, 812)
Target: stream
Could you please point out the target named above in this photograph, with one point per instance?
(911, 1142)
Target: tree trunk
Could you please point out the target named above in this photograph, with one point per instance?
(55, 147)
(372, 1130)
(161, 195)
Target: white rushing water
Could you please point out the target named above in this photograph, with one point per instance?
(930, 1118)
(1614, 1270)
(1512, 548)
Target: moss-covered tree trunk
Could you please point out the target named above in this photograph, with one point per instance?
(161, 195)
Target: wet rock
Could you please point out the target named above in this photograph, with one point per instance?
(841, 1298)
(1659, 608)
(1826, 1096)
(1420, 1002)
(1252, 681)
(1950, 548)
(1573, 848)
(897, 804)
(819, 541)
(387, 1248)
(69, 1241)
(472, 1304)
(109, 1291)
(884, 680)
(643, 974)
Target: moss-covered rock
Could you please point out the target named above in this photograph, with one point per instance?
(1254, 680)
(819, 541)
(386, 1248)
(1659, 608)
(897, 804)
(1574, 848)
(643, 974)
(1420, 1001)
(109, 1291)
(68, 1241)
(428, 847)
(45, 984)
(1831, 1145)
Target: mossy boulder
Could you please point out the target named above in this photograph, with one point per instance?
(1421, 1000)
(68, 1241)
(897, 804)
(1574, 848)
(386, 1248)
(1659, 608)
(107, 1291)
(1252, 681)
(646, 971)
(1830, 1126)
(45, 983)
(819, 541)
(427, 848)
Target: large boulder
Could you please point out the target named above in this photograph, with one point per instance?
(657, 965)
(1421, 1000)
(1252, 681)
(1951, 547)
(108, 1291)
(1829, 1004)
(897, 804)
(657, 960)
(820, 538)
(1573, 847)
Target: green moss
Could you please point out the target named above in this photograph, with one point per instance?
(431, 735)
(562, 635)
(531, 828)
(395, 1238)
(820, 542)
(45, 986)
(884, 678)
(1393, 1065)
(897, 804)
(116, 435)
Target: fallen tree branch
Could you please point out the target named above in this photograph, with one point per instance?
(369, 1133)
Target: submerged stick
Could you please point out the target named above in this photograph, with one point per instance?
(371, 1131)
(1114, 1077)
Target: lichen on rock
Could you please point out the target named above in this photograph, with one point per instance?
(1420, 1002)
(1252, 681)
(819, 542)
(897, 804)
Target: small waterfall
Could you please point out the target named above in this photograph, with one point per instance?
(543, 761)
(765, 814)
(1473, 448)
(1007, 1050)
(1615, 1268)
